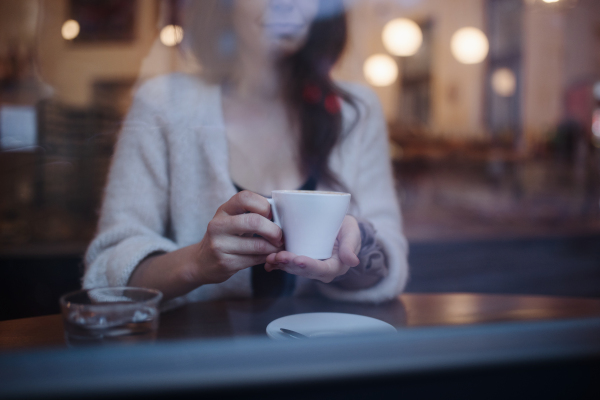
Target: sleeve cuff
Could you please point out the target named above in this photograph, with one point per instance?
(130, 253)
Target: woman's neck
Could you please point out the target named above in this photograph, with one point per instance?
(256, 78)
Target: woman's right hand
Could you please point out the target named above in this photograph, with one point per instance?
(229, 245)
(231, 242)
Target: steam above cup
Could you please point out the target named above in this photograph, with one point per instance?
(310, 220)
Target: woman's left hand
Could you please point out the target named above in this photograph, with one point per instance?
(347, 246)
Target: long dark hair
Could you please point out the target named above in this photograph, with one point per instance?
(312, 98)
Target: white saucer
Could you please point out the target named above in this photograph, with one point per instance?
(327, 324)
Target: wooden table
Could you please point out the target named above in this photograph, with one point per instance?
(237, 318)
(447, 346)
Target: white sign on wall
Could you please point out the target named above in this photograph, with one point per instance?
(18, 128)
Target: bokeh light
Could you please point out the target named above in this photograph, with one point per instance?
(171, 35)
(550, 1)
(70, 29)
(469, 45)
(380, 70)
(504, 82)
(402, 37)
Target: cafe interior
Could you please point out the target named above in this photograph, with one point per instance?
(492, 110)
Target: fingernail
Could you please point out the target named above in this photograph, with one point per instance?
(301, 265)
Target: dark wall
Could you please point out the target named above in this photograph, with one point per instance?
(563, 266)
(32, 286)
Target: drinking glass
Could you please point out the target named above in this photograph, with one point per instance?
(110, 315)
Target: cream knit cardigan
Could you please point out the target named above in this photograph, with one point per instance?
(169, 175)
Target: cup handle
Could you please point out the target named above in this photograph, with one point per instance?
(275, 215)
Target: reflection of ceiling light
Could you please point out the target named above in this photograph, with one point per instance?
(171, 35)
(70, 29)
(504, 82)
(380, 70)
(469, 45)
(550, 1)
(402, 37)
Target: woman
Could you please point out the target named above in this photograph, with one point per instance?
(265, 115)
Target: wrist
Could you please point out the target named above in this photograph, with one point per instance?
(191, 267)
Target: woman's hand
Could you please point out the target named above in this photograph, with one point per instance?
(228, 246)
(347, 246)
(230, 243)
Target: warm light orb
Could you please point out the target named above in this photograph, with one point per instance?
(469, 45)
(171, 35)
(504, 82)
(550, 1)
(70, 29)
(380, 70)
(402, 37)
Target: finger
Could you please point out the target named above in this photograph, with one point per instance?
(284, 261)
(350, 233)
(347, 255)
(279, 260)
(349, 242)
(271, 258)
(239, 262)
(284, 257)
(271, 267)
(247, 201)
(281, 257)
(254, 224)
(248, 261)
(324, 271)
(247, 246)
(304, 261)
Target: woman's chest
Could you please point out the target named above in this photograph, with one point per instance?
(263, 153)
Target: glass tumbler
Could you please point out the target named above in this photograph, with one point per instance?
(110, 315)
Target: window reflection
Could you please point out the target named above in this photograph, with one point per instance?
(492, 108)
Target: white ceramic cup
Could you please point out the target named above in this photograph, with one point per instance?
(310, 220)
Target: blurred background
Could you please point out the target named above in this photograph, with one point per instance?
(493, 108)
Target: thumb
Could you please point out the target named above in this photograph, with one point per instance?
(346, 254)
(349, 242)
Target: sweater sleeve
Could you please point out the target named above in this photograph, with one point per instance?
(375, 198)
(134, 215)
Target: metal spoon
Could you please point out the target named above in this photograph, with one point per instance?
(294, 334)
